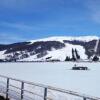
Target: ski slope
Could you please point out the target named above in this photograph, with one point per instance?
(60, 53)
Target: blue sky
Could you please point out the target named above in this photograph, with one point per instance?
(22, 20)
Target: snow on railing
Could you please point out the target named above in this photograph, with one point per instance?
(20, 92)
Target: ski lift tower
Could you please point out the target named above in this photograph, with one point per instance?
(95, 56)
(96, 47)
(94, 51)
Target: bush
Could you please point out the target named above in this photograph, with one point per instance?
(95, 58)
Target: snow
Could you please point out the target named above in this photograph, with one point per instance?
(66, 51)
(57, 75)
(60, 53)
(30, 58)
(61, 38)
(2, 56)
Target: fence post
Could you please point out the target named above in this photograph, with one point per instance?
(45, 93)
(7, 88)
(22, 90)
(84, 98)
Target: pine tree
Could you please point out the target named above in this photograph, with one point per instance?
(77, 55)
(67, 58)
(73, 55)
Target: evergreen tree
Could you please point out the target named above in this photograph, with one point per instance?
(67, 58)
(73, 55)
(77, 55)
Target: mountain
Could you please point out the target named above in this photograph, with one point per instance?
(52, 49)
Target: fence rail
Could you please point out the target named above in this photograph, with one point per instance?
(45, 87)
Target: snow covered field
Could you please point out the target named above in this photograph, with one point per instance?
(57, 75)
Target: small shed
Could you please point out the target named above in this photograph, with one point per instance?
(75, 67)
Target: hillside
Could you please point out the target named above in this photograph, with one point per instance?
(52, 49)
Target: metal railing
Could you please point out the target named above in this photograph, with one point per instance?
(45, 87)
